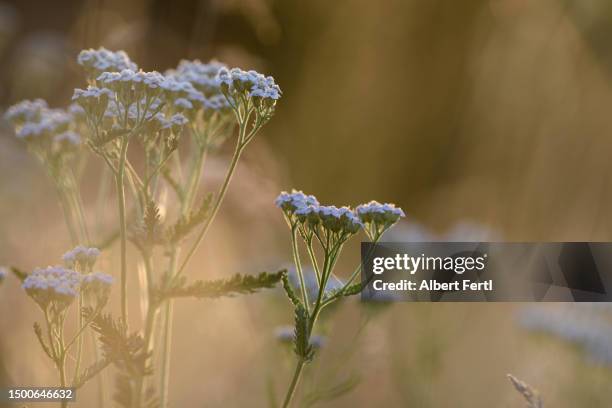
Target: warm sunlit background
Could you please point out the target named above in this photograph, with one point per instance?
(482, 119)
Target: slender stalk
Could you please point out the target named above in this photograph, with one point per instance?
(294, 382)
(166, 339)
(298, 268)
(74, 238)
(167, 348)
(101, 377)
(313, 260)
(77, 207)
(194, 180)
(168, 308)
(328, 266)
(173, 273)
(149, 328)
(61, 362)
(79, 356)
(217, 205)
(123, 227)
(62, 373)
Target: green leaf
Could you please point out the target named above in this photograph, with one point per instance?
(350, 290)
(147, 234)
(289, 291)
(124, 396)
(185, 225)
(353, 289)
(126, 351)
(236, 285)
(151, 218)
(301, 336)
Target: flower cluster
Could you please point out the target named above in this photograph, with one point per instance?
(102, 60)
(305, 211)
(3, 274)
(93, 101)
(25, 111)
(50, 122)
(291, 202)
(202, 78)
(50, 133)
(81, 258)
(53, 285)
(377, 218)
(136, 88)
(200, 75)
(137, 100)
(129, 80)
(176, 121)
(59, 285)
(250, 83)
(98, 285)
(332, 226)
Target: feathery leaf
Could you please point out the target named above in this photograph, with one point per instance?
(236, 285)
(90, 372)
(185, 225)
(301, 337)
(289, 290)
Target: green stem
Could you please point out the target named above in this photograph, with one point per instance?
(298, 268)
(77, 205)
(168, 307)
(68, 215)
(62, 373)
(313, 260)
(77, 366)
(167, 348)
(327, 266)
(166, 330)
(61, 361)
(355, 272)
(294, 382)
(194, 180)
(149, 326)
(123, 227)
(101, 377)
(218, 201)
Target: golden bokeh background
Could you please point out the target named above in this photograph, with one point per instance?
(495, 114)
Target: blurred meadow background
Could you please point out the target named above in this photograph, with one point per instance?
(482, 119)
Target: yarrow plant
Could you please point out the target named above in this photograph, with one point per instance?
(173, 120)
(54, 289)
(328, 228)
(53, 137)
